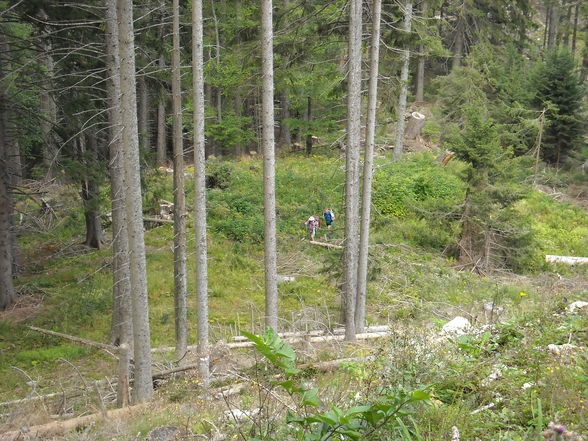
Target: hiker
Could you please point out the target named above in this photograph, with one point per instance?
(329, 217)
(312, 224)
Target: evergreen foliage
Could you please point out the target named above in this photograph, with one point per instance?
(560, 92)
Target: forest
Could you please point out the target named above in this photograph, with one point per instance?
(294, 220)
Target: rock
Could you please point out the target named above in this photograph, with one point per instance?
(577, 307)
(240, 415)
(492, 311)
(458, 326)
(566, 348)
(496, 373)
(282, 279)
(164, 433)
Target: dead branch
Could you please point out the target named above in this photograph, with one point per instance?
(109, 349)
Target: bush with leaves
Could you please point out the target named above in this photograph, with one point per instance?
(310, 419)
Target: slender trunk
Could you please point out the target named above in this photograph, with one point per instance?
(47, 103)
(420, 79)
(143, 386)
(566, 28)
(91, 192)
(7, 291)
(218, 95)
(399, 144)
(308, 118)
(143, 113)
(553, 24)
(122, 322)
(352, 172)
(161, 134)
(368, 168)
(180, 274)
(575, 29)
(200, 193)
(546, 30)
(269, 166)
(459, 38)
(285, 134)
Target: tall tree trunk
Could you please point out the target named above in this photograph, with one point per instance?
(161, 134)
(91, 192)
(459, 37)
(143, 386)
(122, 321)
(7, 291)
(553, 24)
(575, 28)
(217, 58)
(47, 102)
(399, 144)
(269, 166)
(143, 113)
(200, 193)
(420, 77)
(566, 27)
(285, 134)
(180, 275)
(546, 30)
(368, 162)
(352, 172)
(308, 117)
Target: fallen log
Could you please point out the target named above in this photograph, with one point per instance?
(60, 427)
(326, 245)
(568, 260)
(109, 349)
(318, 332)
(302, 339)
(156, 219)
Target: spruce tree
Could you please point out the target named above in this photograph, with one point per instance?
(560, 92)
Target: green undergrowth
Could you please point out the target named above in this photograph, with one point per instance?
(415, 220)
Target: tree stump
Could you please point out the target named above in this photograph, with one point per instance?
(416, 121)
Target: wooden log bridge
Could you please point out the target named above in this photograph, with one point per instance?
(326, 245)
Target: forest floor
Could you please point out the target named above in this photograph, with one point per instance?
(503, 362)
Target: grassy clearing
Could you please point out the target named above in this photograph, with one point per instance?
(412, 284)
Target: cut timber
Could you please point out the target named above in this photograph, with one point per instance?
(326, 245)
(568, 260)
(416, 121)
(301, 339)
(109, 349)
(156, 219)
(59, 427)
(317, 332)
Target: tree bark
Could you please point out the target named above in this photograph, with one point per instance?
(47, 102)
(399, 144)
(459, 37)
(352, 172)
(122, 324)
(200, 193)
(553, 24)
(368, 161)
(180, 274)
(91, 192)
(143, 113)
(7, 291)
(420, 77)
(269, 166)
(161, 127)
(575, 28)
(285, 134)
(143, 386)
(415, 125)
(308, 118)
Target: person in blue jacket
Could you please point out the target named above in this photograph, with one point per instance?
(329, 217)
